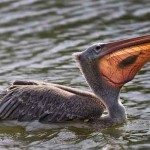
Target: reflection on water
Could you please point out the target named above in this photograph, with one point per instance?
(37, 39)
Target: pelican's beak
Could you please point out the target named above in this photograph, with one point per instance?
(123, 59)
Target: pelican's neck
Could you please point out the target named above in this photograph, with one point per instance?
(110, 97)
(107, 94)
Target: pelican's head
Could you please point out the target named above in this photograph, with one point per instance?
(118, 62)
(107, 67)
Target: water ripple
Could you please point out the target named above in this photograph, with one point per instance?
(37, 39)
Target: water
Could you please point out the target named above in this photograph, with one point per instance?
(37, 38)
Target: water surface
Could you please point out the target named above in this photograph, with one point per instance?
(37, 39)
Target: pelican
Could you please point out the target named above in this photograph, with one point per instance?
(106, 68)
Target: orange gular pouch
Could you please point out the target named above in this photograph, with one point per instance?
(121, 66)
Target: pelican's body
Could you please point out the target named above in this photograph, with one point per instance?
(106, 67)
(34, 100)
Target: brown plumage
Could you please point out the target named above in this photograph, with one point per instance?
(33, 100)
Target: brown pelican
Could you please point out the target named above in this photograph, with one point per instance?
(106, 68)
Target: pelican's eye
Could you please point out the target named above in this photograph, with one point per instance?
(98, 47)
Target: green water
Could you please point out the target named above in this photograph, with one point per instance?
(37, 39)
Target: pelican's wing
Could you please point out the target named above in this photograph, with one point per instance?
(47, 103)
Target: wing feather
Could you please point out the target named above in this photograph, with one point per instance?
(47, 103)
